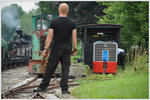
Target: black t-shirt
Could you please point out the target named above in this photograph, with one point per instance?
(63, 27)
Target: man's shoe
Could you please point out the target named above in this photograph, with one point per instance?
(65, 92)
(40, 90)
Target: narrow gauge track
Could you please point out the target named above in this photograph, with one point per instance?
(25, 89)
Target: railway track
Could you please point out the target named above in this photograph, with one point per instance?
(26, 83)
(24, 90)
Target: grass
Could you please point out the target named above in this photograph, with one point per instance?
(127, 84)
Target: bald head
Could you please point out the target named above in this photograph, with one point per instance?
(63, 8)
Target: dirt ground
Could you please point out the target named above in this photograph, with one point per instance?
(11, 77)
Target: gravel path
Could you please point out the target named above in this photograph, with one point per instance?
(13, 76)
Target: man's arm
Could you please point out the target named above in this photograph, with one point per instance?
(47, 44)
(49, 38)
(74, 41)
(74, 38)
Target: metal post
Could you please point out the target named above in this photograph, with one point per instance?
(41, 22)
(120, 38)
(85, 34)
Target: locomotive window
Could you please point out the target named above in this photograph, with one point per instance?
(42, 42)
(104, 37)
(44, 24)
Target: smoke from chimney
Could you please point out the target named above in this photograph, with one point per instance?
(10, 16)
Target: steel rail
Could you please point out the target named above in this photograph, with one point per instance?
(4, 94)
(38, 94)
(12, 91)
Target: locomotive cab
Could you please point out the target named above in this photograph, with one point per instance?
(100, 46)
(40, 31)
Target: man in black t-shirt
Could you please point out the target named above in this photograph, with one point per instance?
(61, 29)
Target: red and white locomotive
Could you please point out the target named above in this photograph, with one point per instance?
(101, 49)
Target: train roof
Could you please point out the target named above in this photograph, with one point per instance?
(101, 26)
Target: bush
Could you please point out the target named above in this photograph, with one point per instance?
(141, 60)
(138, 58)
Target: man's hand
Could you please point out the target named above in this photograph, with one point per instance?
(45, 53)
(74, 52)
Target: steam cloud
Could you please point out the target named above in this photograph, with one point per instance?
(9, 17)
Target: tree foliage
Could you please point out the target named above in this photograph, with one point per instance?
(26, 23)
(81, 12)
(46, 7)
(134, 17)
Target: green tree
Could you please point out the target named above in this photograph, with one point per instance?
(26, 23)
(46, 7)
(80, 12)
(134, 17)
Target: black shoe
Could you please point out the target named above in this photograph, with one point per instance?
(40, 90)
(65, 92)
